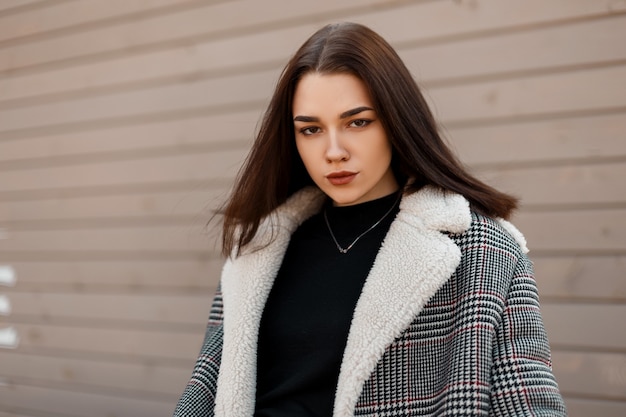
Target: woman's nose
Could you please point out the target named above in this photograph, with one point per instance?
(335, 150)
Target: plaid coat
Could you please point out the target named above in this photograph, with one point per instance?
(448, 322)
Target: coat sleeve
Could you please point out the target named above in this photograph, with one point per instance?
(521, 375)
(198, 399)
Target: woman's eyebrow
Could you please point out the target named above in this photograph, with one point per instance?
(307, 119)
(354, 111)
(345, 114)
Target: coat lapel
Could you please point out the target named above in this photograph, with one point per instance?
(415, 260)
(246, 283)
(412, 264)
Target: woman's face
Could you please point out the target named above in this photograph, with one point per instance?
(341, 140)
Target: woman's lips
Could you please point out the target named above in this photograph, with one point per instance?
(341, 177)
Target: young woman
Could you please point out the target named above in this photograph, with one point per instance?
(368, 273)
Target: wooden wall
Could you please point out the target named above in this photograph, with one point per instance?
(123, 122)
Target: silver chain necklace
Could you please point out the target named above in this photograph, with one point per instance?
(345, 250)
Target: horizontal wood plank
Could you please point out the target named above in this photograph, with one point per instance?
(120, 343)
(57, 401)
(533, 96)
(580, 43)
(75, 13)
(242, 53)
(194, 167)
(177, 238)
(158, 205)
(605, 374)
(570, 184)
(136, 277)
(16, 414)
(577, 407)
(141, 378)
(151, 309)
(576, 231)
(7, 5)
(594, 137)
(444, 21)
(588, 326)
(591, 277)
(149, 137)
(230, 91)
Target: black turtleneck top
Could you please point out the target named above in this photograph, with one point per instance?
(306, 320)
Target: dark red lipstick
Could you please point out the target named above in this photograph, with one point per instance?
(341, 177)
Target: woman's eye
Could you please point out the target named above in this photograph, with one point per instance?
(311, 130)
(360, 123)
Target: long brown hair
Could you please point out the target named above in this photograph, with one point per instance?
(273, 170)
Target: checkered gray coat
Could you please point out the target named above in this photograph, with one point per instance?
(448, 322)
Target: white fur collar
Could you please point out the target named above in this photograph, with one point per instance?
(415, 260)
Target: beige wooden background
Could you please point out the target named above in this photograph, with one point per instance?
(123, 122)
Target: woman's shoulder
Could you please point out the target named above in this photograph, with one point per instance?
(490, 233)
(493, 254)
(432, 208)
